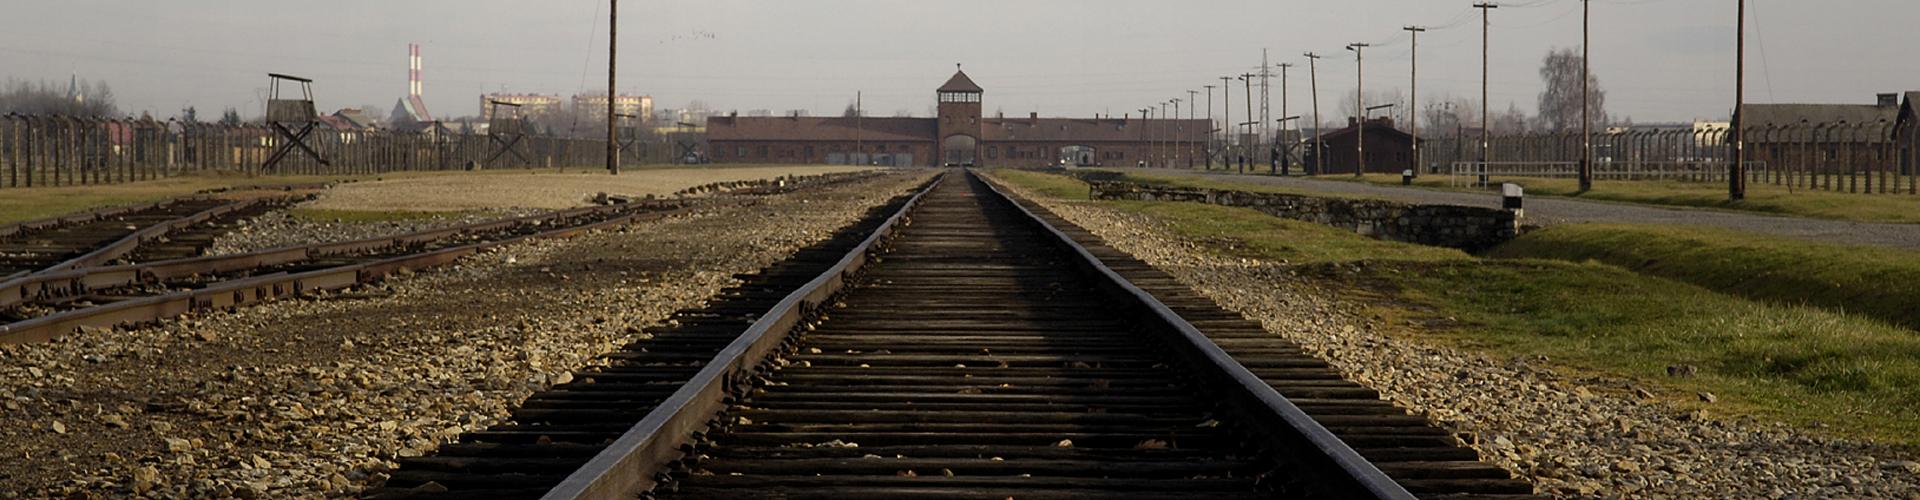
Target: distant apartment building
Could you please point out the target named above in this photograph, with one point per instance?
(531, 105)
(594, 107)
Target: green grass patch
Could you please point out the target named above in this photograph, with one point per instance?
(1797, 364)
(1215, 182)
(1057, 186)
(1876, 282)
(1248, 233)
(1791, 363)
(1762, 198)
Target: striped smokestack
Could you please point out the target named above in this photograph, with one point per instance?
(415, 85)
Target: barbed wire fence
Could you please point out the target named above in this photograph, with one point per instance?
(68, 151)
(1877, 157)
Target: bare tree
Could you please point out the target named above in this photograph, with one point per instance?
(1449, 116)
(1378, 98)
(1560, 102)
(1513, 121)
(79, 98)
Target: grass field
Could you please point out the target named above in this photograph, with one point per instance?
(1869, 281)
(1798, 364)
(1763, 198)
(1220, 182)
(22, 204)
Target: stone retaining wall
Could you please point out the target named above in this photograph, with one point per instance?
(1467, 228)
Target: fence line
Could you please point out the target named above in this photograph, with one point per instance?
(1876, 157)
(68, 151)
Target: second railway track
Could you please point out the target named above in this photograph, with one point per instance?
(969, 349)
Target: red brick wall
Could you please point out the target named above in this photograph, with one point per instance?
(812, 152)
(1024, 154)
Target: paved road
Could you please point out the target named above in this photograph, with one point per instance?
(1549, 210)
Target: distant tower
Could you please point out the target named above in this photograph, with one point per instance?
(959, 120)
(416, 86)
(73, 90)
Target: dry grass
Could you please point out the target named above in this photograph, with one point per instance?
(544, 189)
(22, 204)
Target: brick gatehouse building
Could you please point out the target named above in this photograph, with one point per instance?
(959, 136)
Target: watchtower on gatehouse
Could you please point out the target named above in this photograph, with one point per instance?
(959, 120)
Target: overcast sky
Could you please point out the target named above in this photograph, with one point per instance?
(1662, 60)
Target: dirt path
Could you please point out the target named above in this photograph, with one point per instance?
(1549, 211)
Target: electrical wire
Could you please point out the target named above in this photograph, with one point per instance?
(593, 32)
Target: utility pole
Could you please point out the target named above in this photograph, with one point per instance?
(1144, 133)
(1486, 114)
(1177, 139)
(613, 141)
(1360, 106)
(1226, 122)
(1286, 157)
(1164, 135)
(1413, 100)
(1210, 125)
(1193, 98)
(860, 126)
(1736, 173)
(1313, 72)
(1266, 98)
(1246, 80)
(1586, 99)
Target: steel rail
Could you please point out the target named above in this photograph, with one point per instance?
(126, 245)
(75, 282)
(1266, 403)
(263, 288)
(86, 216)
(633, 463)
(95, 214)
(637, 460)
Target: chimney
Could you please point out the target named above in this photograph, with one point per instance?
(1033, 116)
(1889, 100)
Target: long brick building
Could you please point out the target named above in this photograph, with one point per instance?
(958, 136)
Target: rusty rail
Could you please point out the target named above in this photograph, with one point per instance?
(256, 289)
(131, 242)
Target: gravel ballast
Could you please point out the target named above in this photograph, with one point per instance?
(1569, 434)
(313, 398)
(283, 229)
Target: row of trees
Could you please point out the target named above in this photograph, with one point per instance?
(76, 98)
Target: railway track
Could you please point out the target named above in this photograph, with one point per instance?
(172, 229)
(975, 352)
(45, 305)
